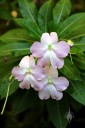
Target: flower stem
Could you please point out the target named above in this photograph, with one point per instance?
(7, 94)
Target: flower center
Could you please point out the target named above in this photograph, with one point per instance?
(28, 71)
(50, 81)
(49, 47)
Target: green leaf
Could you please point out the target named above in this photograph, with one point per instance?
(45, 15)
(57, 111)
(61, 11)
(80, 45)
(7, 62)
(30, 26)
(70, 70)
(77, 91)
(79, 61)
(23, 100)
(4, 86)
(73, 26)
(20, 48)
(28, 9)
(75, 49)
(15, 35)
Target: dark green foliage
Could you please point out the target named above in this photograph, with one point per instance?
(16, 42)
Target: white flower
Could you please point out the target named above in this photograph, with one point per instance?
(53, 85)
(29, 73)
(50, 50)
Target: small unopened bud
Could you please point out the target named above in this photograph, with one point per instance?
(14, 13)
(69, 116)
(70, 43)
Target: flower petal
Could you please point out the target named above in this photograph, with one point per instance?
(55, 61)
(61, 49)
(37, 49)
(52, 72)
(54, 37)
(38, 72)
(31, 61)
(45, 60)
(54, 93)
(18, 73)
(46, 39)
(44, 94)
(27, 62)
(24, 63)
(25, 84)
(37, 85)
(61, 83)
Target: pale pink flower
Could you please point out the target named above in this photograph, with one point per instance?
(29, 73)
(53, 85)
(49, 50)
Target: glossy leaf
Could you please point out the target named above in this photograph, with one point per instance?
(73, 26)
(29, 25)
(6, 64)
(4, 85)
(23, 100)
(45, 15)
(15, 35)
(70, 70)
(80, 45)
(61, 11)
(28, 9)
(79, 61)
(57, 111)
(10, 49)
(77, 91)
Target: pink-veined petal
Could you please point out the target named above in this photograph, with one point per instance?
(38, 72)
(61, 83)
(55, 61)
(54, 37)
(45, 60)
(54, 93)
(61, 49)
(52, 72)
(18, 73)
(46, 39)
(38, 49)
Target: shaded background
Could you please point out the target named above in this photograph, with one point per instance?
(36, 116)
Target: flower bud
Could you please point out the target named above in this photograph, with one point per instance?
(70, 43)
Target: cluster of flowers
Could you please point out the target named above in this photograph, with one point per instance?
(41, 72)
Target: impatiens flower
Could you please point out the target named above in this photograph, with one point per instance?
(29, 73)
(53, 85)
(49, 50)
